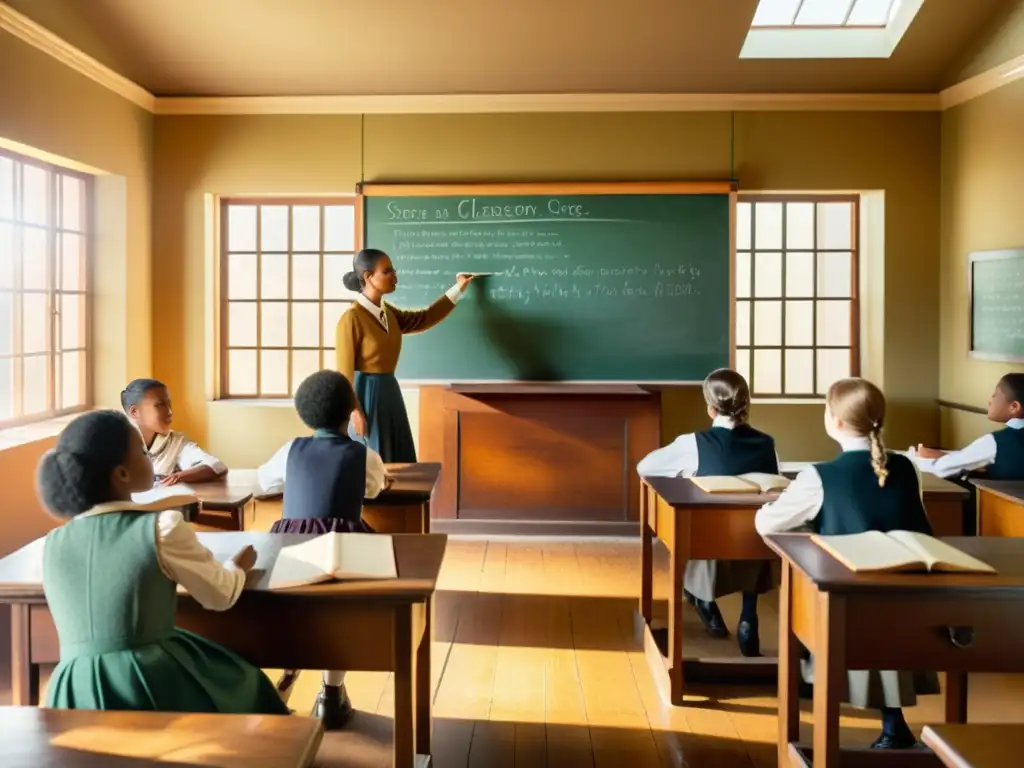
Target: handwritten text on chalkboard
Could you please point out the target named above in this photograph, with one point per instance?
(475, 209)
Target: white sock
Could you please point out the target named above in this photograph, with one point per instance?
(333, 678)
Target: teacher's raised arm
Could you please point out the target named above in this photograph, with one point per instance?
(368, 344)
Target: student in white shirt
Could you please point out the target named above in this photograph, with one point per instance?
(999, 455)
(176, 459)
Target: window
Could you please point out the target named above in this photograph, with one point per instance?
(796, 292)
(44, 299)
(281, 291)
(824, 13)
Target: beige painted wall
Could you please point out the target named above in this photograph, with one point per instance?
(897, 153)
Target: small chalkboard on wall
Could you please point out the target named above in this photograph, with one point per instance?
(996, 288)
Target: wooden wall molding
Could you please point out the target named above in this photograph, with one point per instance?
(962, 407)
(987, 81)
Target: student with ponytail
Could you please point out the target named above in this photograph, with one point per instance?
(368, 342)
(865, 488)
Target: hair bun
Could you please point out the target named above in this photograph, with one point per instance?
(351, 281)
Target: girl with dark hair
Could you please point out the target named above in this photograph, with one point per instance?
(368, 342)
(111, 575)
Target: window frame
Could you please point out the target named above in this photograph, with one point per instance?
(53, 228)
(815, 298)
(223, 299)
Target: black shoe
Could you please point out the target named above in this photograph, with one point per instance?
(709, 615)
(333, 707)
(748, 639)
(286, 682)
(898, 741)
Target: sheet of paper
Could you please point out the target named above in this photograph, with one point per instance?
(161, 492)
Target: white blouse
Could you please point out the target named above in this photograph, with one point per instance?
(978, 454)
(680, 458)
(271, 475)
(174, 452)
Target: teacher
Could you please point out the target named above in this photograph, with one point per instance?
(368, 344)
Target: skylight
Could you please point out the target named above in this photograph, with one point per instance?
(828, 29)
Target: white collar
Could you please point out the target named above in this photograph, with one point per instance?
(854, 443)
(379, 314)
(1015, 424)
(724, 422)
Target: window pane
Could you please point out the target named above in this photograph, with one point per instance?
(273, 228)
(72, 203)
(6, 256)
(306, 276)
(339, 228)
(35, 203)
(6, 323)
(835, 226)
(743, 323)
(242, 372)
(242, 276)
(33, 259)
(35, 318)
(72, 367)
(274, 372)
(833, 323)
(767, 324)
(767, 226)
(834, 274)
(799, 274)
(799, 226)
(242, 324)
(274, 324)
(274, 276)
(823, 13)
(799, 323)
(833, 364)
(332, 314)
(6, 193)
(304, 363)
(72, 321)
(306, 228)
(799, 372)
(72, 273)
(35, 385)
(6, 389)
(767, 371)
(871, 13)
(743, 364)
(241, 227)
(335, 266)
(306, 324)
(742, 275)
(767, 275)
(743, 226)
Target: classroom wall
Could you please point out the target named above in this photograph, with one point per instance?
(897, 153)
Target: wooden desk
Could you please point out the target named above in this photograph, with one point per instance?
(976, 746)
(1000, 507)
(847, 621)
(693, 525)
(65, 738)
(358, 625)
(227, 499)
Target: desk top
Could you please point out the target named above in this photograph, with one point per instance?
(233, 490)
(934, 487)
(48, 738)
(418, 557)
(975, 745)
(412, 483)
(682, 492)
(829, 575)
(1011, 490)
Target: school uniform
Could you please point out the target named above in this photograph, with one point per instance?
(1000, 454)
(725, 449)
(175, 452)
(841, 497)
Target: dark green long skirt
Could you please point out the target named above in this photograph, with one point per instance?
(387, 422)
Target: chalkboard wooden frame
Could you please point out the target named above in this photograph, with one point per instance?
(972, 259)
(485, 189)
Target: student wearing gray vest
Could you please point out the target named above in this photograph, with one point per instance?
(865, 488)
(730, 447)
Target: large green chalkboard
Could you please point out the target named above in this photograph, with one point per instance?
(997, 305)
(590, 287)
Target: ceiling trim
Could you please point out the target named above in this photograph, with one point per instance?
(46, 41)
(989, 80)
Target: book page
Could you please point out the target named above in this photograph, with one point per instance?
(766, 481)
(163, 492)
(364, 556)
(306, 563)
(724, 484)
(938, 555)
(870, 551)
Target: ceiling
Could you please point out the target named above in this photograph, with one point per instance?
(329, 47)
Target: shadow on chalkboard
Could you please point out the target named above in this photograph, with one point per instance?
(526, 344)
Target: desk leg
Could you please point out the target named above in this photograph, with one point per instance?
(425, 517)
(956, 697)
(680, 554)
(829, 674)
(789, 669)
(646, 556)
(24, 674)
(424, 681)
(406, 689)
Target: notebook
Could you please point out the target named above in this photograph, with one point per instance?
(751, 482)
(166, 496)
(335, 556)
(898, 551)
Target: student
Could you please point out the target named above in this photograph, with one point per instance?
(325, 478)
(865, 488)
(1000, 455)
(729, 447)
(110, 576)
(176, 459)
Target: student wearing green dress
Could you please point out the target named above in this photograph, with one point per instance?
(111, 574)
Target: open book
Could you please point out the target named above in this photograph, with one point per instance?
(166, 497)
(897, 551)
(335, 556)
(751, 482)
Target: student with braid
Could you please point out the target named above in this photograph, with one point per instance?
(865, 488)
(111, 574)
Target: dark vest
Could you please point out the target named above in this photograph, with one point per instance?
(854, 503)
(722, 451)
(325, 477)
(1009, 463)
